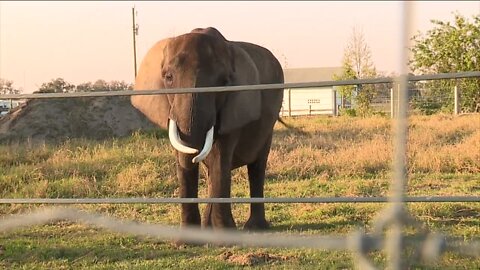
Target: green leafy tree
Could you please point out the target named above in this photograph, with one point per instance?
(100, 86)
(448, 47)
(119, 86)
(347, 74)
(84, 87)
(6, 87)
(357, 64)
(58, 85)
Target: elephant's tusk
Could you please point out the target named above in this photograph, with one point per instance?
(176, 141)
(206, 147)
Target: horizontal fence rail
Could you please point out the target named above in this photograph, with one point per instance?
(460, 75)
(235, 200)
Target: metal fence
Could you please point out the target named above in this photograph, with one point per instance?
(388, 229)
(424, 97)
(419, 102)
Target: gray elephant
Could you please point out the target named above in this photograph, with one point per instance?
(224, 130)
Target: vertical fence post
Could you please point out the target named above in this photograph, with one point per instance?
(334, 102)
(456, 91)
(392, 103)
(289, 102)
(342, 101)
(398, 97)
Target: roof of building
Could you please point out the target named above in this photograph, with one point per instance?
(315, 74)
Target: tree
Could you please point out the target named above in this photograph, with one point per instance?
(449, 48)
(347, 74)
(6, 87)
(58, 85)
(84, 87)
(119, 86)
(100, 86)
(357, 64)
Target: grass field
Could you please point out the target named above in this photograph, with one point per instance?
(333, 157)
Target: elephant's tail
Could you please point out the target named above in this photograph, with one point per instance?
(283, 123)
(290, 126)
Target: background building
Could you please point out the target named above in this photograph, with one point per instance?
(309, 101)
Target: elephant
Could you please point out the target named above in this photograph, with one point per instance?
(223, 130)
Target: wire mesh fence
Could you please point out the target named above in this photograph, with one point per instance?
(424, 97)
(420, 101)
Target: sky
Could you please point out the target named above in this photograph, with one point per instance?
(83, 41)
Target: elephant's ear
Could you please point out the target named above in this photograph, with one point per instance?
(155, 107)
(241, 108)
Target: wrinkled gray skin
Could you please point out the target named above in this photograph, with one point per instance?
(243, 121)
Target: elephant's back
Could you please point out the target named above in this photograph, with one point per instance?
(257, 135)
(267, 64)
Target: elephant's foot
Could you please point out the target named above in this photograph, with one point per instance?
(256, 224)
(190, 218)
(218, 216)
(190, 215)
(183, 243)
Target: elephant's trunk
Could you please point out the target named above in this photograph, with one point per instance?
(181, 147)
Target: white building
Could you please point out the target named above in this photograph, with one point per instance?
(309, 101)
(7, 105)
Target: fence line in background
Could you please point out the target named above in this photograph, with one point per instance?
(427, 199)
(460, 75)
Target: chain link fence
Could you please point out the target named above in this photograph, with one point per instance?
(425, 97)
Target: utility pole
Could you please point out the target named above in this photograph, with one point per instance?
(135, 33)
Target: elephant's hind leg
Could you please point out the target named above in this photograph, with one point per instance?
(256, 178)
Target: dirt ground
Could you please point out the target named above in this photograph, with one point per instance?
(47, 120)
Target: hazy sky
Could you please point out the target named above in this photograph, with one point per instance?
(86, 41)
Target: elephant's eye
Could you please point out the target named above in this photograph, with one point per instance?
(168, 77)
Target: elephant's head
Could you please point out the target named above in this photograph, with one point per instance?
(193, 119)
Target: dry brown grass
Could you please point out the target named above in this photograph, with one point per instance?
(445, 144)
(363, 147)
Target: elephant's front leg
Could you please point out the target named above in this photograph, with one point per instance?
(187, 174)
(256, 179)
(219, 215)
